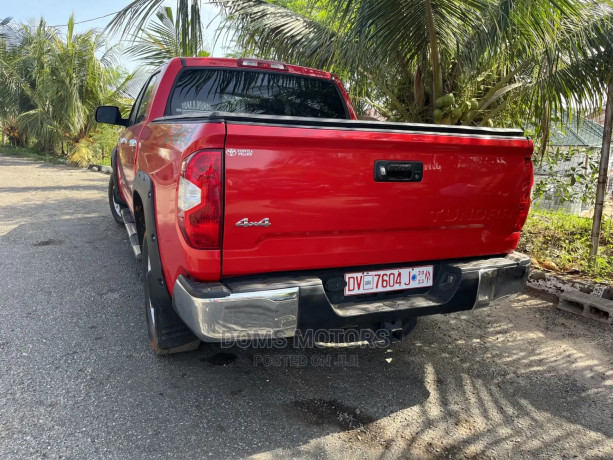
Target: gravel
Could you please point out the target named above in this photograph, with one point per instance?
(78, 380)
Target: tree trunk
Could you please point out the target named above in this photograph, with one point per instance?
(545, 131)
(437, 77)
(601, 188)
(419, 94)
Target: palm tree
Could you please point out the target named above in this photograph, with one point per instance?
(55, 83)
(13, 100)
(133, 19)
(163, 39)
(499, 58)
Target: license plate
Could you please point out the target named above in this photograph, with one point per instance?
(388, 280)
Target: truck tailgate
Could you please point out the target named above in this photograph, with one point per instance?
(316, 186)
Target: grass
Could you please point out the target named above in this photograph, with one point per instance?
(561, 242)
(31, 153)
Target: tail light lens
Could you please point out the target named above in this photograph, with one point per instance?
(199, 201)
(526, 189)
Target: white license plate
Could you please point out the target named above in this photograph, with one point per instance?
(388, 280)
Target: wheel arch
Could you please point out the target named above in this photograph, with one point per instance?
(144, 195)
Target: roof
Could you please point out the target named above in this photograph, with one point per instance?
(580, 132)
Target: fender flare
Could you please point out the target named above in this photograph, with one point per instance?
(143, 185)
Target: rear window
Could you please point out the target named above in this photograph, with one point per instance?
(255, 92)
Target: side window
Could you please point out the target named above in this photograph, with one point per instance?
(142, 103)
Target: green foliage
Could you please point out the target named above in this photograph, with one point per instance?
(95, 149)
(564, 240)
(82, 153)
(507, 62)
(104, 139)
(165, 38)
(503, 60)
(55, 82)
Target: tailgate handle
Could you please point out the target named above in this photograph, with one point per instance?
(398, 171)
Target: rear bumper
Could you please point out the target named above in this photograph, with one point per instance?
(278, 305)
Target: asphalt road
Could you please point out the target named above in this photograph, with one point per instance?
(78, 380)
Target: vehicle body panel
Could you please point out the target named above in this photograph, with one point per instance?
(317, 188)
(163, 147)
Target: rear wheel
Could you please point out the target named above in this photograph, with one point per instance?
(115, 206)
(167, 334)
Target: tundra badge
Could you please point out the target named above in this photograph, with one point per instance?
(245, 223)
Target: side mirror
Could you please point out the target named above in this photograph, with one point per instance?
(111, 115)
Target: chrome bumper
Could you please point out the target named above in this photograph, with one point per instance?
(269, 307)
(217, 312)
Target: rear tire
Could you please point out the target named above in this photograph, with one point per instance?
(167, 334)
(115, 206)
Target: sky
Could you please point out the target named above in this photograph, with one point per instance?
(57, 12)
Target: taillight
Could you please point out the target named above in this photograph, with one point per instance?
(199, 199)
(526, 189)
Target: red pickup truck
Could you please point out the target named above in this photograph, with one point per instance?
(261, 207)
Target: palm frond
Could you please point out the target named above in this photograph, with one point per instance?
(132, 19)
(167, 37)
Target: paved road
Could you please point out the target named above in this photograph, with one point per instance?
(77, 378)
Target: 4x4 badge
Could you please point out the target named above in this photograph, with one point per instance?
(245, 223)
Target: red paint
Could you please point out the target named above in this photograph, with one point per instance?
(316, 186)
(163, 147)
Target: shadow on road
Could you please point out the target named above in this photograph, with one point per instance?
(519, 380)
